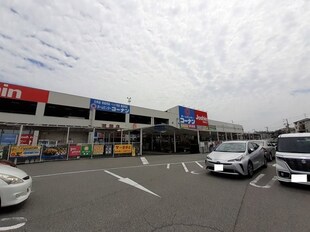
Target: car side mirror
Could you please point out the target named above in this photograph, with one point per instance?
(250, 150)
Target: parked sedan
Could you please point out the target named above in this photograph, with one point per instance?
(237, 158)
(271, 150)
(15, 185)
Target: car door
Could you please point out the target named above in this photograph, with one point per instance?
(255, 155)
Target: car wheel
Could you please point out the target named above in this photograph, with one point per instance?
(265, 162)
(250, 169)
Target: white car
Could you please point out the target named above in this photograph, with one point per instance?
(15, 185)
(293, 158)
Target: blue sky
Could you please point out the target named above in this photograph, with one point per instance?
(241, 61)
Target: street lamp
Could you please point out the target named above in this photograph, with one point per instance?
(129, 100)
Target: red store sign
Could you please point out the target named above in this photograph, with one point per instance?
(23, 93)
(26, 139)
(201, 118)
(74, 151)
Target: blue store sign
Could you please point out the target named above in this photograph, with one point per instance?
(109, 106)
(6, 139)
(187, 117)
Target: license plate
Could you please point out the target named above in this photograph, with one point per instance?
(218, 167)
(299, 178)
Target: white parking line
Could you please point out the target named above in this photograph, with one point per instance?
(144, 160)
(195, 173)
(199, 164)
(270, 183)
(185, 168)
(168, 166)
(68, 173)
(103, 169)
(253, 182)
(16, 221)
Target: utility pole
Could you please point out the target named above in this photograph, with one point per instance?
(287, 125)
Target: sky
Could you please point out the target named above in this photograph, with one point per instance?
(246, 62)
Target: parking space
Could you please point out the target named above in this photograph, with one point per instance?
(170, 193)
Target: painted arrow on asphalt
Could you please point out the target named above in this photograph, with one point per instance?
(131, 182)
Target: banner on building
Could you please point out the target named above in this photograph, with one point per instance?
(24, 151)
(86, 150)
(55, 152)
(193, 119)
(201, 120)
(109, 106)
(187, 118)
(98, 149)
(7, 139)
(17, 92)
(26, 139)
(122, 149)
(108, 149)
(74, 151)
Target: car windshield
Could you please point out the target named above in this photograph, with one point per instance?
(231, 147)
(294, 145)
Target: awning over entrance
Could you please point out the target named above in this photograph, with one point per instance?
(166, 129)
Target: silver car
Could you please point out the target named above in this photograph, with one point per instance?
(270, 149)
(237, 158)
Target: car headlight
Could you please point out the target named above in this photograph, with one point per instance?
(208, 158)
(10, 179)
(236, 159)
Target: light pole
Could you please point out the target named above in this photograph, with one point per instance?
(128, 100)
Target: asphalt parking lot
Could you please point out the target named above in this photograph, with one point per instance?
(158, 193)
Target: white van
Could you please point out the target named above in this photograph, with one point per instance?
(293, 158)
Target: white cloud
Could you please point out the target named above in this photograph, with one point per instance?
(239, 60)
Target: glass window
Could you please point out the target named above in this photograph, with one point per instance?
(231, 147)
(294, 145)
(17, 106)
(251, 147)
(65, 111)
(255, 146)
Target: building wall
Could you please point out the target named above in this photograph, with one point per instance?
(226, 127)
(83, 102)
(302, 125)
(68, 100)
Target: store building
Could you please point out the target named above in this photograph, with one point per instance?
(31, 116)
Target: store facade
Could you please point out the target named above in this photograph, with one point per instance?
(31, 116)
